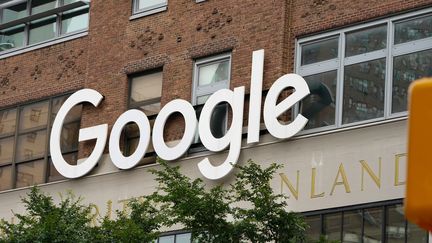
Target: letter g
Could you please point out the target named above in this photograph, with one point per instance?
(99, 133)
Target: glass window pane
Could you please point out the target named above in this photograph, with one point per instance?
(33, 115)
(66, 2)
(319, 107)
(31, 145)
(352, 228)
(373, 220)
(416, 234)
(73, 115)
(332, 226)
(54, 175)
(363, 96)
(5, 178)
(29, 174)
(39, 6)
(166, 239)
(6, 150)
(146, 87)
(319, 51)
(406, 69)
(69, 137)
(74, 21)
(151, 109)
(314, 231)
(14, 12)
(414, 29)
(183, 238)
(149, 4)
(12, 38)
(202, 99)
(395, 228)
(42, 30)
(216, 72)
(366, 40)
(7, 121)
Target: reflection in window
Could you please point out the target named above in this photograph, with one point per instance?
(34, 115)
(406, 69)
(373, 221)
(366, 40)
(31, 145)
(5, 178)
(352, 226)
(167, 239)
(30, 173)
(74, 21)
(14, 12)
(7, 121)
(395, 228)
(320, 51)
(145, 5)
(332, 226)
(25, 160)
(39, 6)
(42, 30)
(216, 72)
(12, 38)
(414, 29)
(6, 150)
(54, 175)
(319, 106)
(313, 232)
(364, 91)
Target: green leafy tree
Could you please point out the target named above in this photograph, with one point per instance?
(212, 215)
(45, 221)
(142, 224)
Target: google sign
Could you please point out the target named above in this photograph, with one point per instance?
(232, 138)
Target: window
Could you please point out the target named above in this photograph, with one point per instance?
(361, 74)
(210, 75)
(145, 95)
(147, 7)
(24, 132)
(27, 23)
(175, 238)
(377, 222)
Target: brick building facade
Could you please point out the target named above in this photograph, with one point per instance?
(125, 39)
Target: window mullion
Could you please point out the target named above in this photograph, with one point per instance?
(389, 71)
(412, 46)
(339, 85)
(14, 170)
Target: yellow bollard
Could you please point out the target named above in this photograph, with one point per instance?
(418, 200)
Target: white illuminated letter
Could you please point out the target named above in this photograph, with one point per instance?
(97, 132)
(117, 157)
(188, 112)
(272, 111)
(232, 138)
(255, 96)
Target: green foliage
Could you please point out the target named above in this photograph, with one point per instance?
(215, 215)
(140, 225)
(47, 222)
(246, 211)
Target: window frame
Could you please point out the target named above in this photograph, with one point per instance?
(207, 89)
(19, 132)
(384, 205)
(341, 62)
(138, 13)
(137, 105)
(57, 12)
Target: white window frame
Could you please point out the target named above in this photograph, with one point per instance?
(389, 53)
(29, 18)
(211, 88)
(138, 13)
(198, 91)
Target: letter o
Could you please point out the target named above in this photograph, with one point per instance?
(188, 112)
(117, 157)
